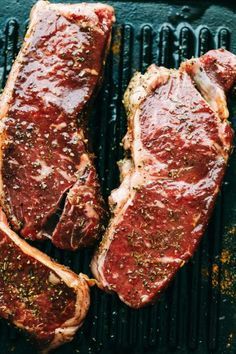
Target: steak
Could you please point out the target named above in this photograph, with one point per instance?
(49, 187)
(39, 295)
(179, 141)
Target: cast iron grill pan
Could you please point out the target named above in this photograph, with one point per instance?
(197, 312)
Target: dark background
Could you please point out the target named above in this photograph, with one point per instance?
(197, 314)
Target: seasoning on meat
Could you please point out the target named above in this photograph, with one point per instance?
(179, 141)
(49, 186)
(37, 294)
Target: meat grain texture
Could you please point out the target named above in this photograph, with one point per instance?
(179, 140)
(38, 295)
(48, 183)
(48, 186)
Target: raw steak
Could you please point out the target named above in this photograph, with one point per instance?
(39, 295)
(49, 186)
(179, 140)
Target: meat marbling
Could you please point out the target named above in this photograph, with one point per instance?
(179, 140)
(48, 185)
(38, 295)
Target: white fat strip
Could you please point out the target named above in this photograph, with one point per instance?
(130, 182)
(138, 152)
(119, 196)
(67, 332)
(44, 171)
(2, 125)
(213, 93)
(125, 167)
(216, 99)
(138, 94)
(68, 328)
(53, 279)
(137, 180)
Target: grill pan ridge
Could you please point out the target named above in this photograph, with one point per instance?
(197, 313)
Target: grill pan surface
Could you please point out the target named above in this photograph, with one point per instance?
(197, 313)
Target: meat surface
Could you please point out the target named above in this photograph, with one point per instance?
(179, 140)
(39, 295)
(49, 186)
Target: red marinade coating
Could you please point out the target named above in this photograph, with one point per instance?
(29, 297)
(46, 149)
(165, 219)
(218, 66)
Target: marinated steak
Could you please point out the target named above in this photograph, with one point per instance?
(39, 295)
(49, 186)
(179, 141)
